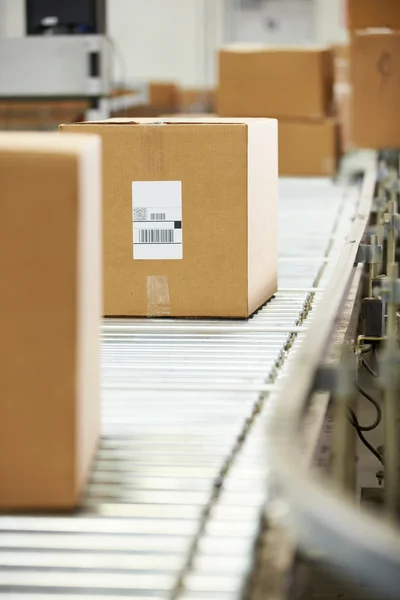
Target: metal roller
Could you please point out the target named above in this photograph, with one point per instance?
(173, 505)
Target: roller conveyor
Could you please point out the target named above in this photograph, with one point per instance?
(173, 506)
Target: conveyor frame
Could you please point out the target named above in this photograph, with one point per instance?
(363, 546)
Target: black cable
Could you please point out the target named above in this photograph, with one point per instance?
(365, 348)
(354, 421)
(369, 368)
(366, 443)
(374, 403)
(353, 417)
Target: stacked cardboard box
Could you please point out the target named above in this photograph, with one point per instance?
(50, 311)
(292, 84)
(365, 14)
(375, 72)
(189, 215)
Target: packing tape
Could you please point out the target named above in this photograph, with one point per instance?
(158, 304)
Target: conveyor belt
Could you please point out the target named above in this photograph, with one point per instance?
(173, 505)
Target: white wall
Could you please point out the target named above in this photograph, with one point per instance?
(275, 22)
(167, 39)
(330, 21)
(12, 18)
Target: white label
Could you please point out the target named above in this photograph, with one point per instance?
(157, 220)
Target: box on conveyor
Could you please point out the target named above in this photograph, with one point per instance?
(308, 148)
(50, 309)
(190, 215)
(375, 73)
(273, 81)
(364, 14)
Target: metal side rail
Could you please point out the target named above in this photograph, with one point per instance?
(173, 504)
(364, 547)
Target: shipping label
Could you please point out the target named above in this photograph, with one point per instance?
(157, 220)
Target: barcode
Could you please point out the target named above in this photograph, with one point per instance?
(156, 236)
(157, 217)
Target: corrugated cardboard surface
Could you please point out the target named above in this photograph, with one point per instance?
(364, 14)
(308, 148)
(50, 306)
(375, 60)
(270, 82)
(211, 159)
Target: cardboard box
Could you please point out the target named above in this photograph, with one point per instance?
(273, 81)
(342, 94)
(208, 191)
(364, 14)
(375, 63)
(162, 98)
(164, 95)
(308, 148)
(196, 100)
(50, 241)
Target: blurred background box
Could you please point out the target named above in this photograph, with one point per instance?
(162, 98)
(50, 239)
(342, 94)
(363, 14)
(308, 148)
(163, 94)
(375, 68)
(196, 100)
(263, 81)
(169, 98)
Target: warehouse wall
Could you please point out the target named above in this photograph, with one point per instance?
(12, 18)
(175, 47)
(329, 18)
